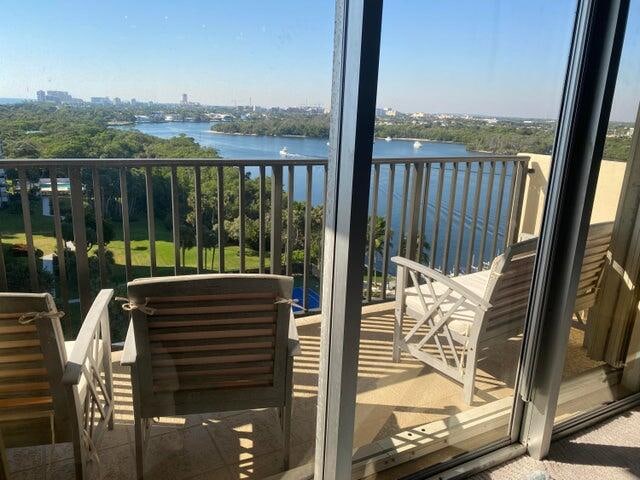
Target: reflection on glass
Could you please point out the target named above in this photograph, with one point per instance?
(602, 354)
(453, 232)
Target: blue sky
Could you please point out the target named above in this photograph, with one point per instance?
(496, 57)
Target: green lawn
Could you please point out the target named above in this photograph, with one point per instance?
(12, 231)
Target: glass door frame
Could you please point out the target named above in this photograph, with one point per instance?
(588, 91)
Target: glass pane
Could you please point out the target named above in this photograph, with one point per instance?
(469, 94)
(603, 350)
(149, 97)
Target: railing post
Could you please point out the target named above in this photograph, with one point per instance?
(516, 211)
(60, 247)
(151, 219)
(387, 229)
(97, 207)
(412, 247)
(221, 233)
(241, 217)
(175, 220)
(276, 220)
(126, 237)
(436, 217)
(262, 219)
(307, 238)
(372, 231)
(80, 240)
(198, 213)
(28, 231)
(290, 187)
(452, 203)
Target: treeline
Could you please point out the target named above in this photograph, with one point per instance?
(506, 137)
(48, 131)
(308, 126)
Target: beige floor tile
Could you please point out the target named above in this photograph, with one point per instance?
(25, 458)
(247, 435)
(182, 453)
(257, 467)
(37, 473)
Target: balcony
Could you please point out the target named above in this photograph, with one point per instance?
(459, 213)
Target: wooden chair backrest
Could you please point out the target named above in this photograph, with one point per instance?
(511, 276)
(32, 359)
(508, 292)
(211, 342)
(595, 255)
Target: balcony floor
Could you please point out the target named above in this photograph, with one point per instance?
(247, 444)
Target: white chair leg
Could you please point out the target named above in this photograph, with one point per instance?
(469, 379)
(397, 334)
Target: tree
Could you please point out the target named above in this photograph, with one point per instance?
(90, 229)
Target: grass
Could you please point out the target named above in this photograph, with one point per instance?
(12, 231)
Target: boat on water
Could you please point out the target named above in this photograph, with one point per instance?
(284, 152)
(417, 144)
(388, 139)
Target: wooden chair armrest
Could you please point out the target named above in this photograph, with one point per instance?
(443, 279)
(294, 341)
(78, 357)
(129, 352)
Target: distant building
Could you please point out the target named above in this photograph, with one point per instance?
(57, 96)
(101, 101)
(418, 115)
(44, 184)
(390, 112)
(117, 101)
(185, 99)
(134, 101)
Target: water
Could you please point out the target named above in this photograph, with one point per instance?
(261, 147)
(268, 147)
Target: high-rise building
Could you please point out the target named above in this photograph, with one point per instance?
(58, 96)
(41, 95)
(101, 100)
(133, 101)
(117, 101)
(185, 99)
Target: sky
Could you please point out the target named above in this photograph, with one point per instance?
(491, 57)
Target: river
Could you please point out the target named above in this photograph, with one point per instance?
(265, 147)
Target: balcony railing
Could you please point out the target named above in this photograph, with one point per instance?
(453, 213)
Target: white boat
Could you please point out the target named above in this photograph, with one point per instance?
(284, 152)
(417, 144)
(388, 139)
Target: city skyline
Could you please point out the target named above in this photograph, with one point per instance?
(504, 59)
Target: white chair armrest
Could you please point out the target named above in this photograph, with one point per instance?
(443, 279)
(78, 357)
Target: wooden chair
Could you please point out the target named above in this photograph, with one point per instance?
(593, 262)
(52, 390)
(458, 317)
(210, 343)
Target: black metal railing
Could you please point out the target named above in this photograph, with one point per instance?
(454, 213)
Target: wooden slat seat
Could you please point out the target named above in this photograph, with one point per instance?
(209, 343)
